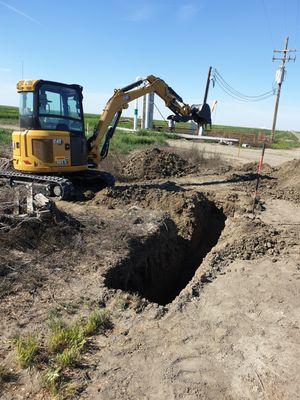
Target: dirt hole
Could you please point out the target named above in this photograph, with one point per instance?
(162, 264)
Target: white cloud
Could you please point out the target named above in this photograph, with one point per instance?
(141, 13)
(187, 11)
(17, 11)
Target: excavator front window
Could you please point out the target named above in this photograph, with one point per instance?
(60, 108)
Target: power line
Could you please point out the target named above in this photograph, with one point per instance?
(239, 94)
(241, 99)
(230, 91)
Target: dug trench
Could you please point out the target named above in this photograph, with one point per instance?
(160, 265)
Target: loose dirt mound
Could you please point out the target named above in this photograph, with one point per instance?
(287, 184)
(289, 175)
(155, 163)
(252, 167)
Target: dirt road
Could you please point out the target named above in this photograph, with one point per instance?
(6, 126)
(272, 157)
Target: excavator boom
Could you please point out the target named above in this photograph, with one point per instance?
(120, 100)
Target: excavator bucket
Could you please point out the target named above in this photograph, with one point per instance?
(199, 113)
(202, 116)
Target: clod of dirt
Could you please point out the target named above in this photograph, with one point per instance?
(155, 163)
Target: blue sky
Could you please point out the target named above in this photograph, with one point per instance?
(107, 44)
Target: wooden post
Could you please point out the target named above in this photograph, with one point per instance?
(239, 148)
(259, 169)
(16, 190)
(29, 198)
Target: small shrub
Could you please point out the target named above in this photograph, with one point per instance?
(121, 303)
(27, 350)
(136, 300)
(51, 379)
(70, 390)
(68, 358)
(98, 322)
(62, 337)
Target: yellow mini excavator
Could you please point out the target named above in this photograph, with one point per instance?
(51, 150)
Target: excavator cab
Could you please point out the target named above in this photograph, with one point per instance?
(51, 136)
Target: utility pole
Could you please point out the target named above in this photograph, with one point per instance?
(279, 78)
(207, 85)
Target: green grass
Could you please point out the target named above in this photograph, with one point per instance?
(124, 142)
(9, 115)
(61, 350)
(285, 140)
(5, 137)
(97, 322)
(68, 358)
(51, 378)
(27, 350)
(63, 336)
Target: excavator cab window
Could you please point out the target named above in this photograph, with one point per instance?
(26, 109)
(60, 107)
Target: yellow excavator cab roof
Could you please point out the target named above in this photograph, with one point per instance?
(27, 85)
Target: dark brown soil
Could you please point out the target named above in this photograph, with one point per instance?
(155, 163)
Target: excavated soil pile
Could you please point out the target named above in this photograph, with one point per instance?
(279, 183)
(155, 163)
(253, 166)
(288, 181)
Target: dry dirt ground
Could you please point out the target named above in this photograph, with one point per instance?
(244, 155)
(203, 294)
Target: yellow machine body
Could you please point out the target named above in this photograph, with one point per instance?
(41, 151)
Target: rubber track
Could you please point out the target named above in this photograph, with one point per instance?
(19, 178)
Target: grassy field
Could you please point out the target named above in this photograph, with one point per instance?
(5, 137)
(9, 115)
(127, 141)
(122, 142)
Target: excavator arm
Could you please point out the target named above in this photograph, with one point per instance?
(120, 100)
